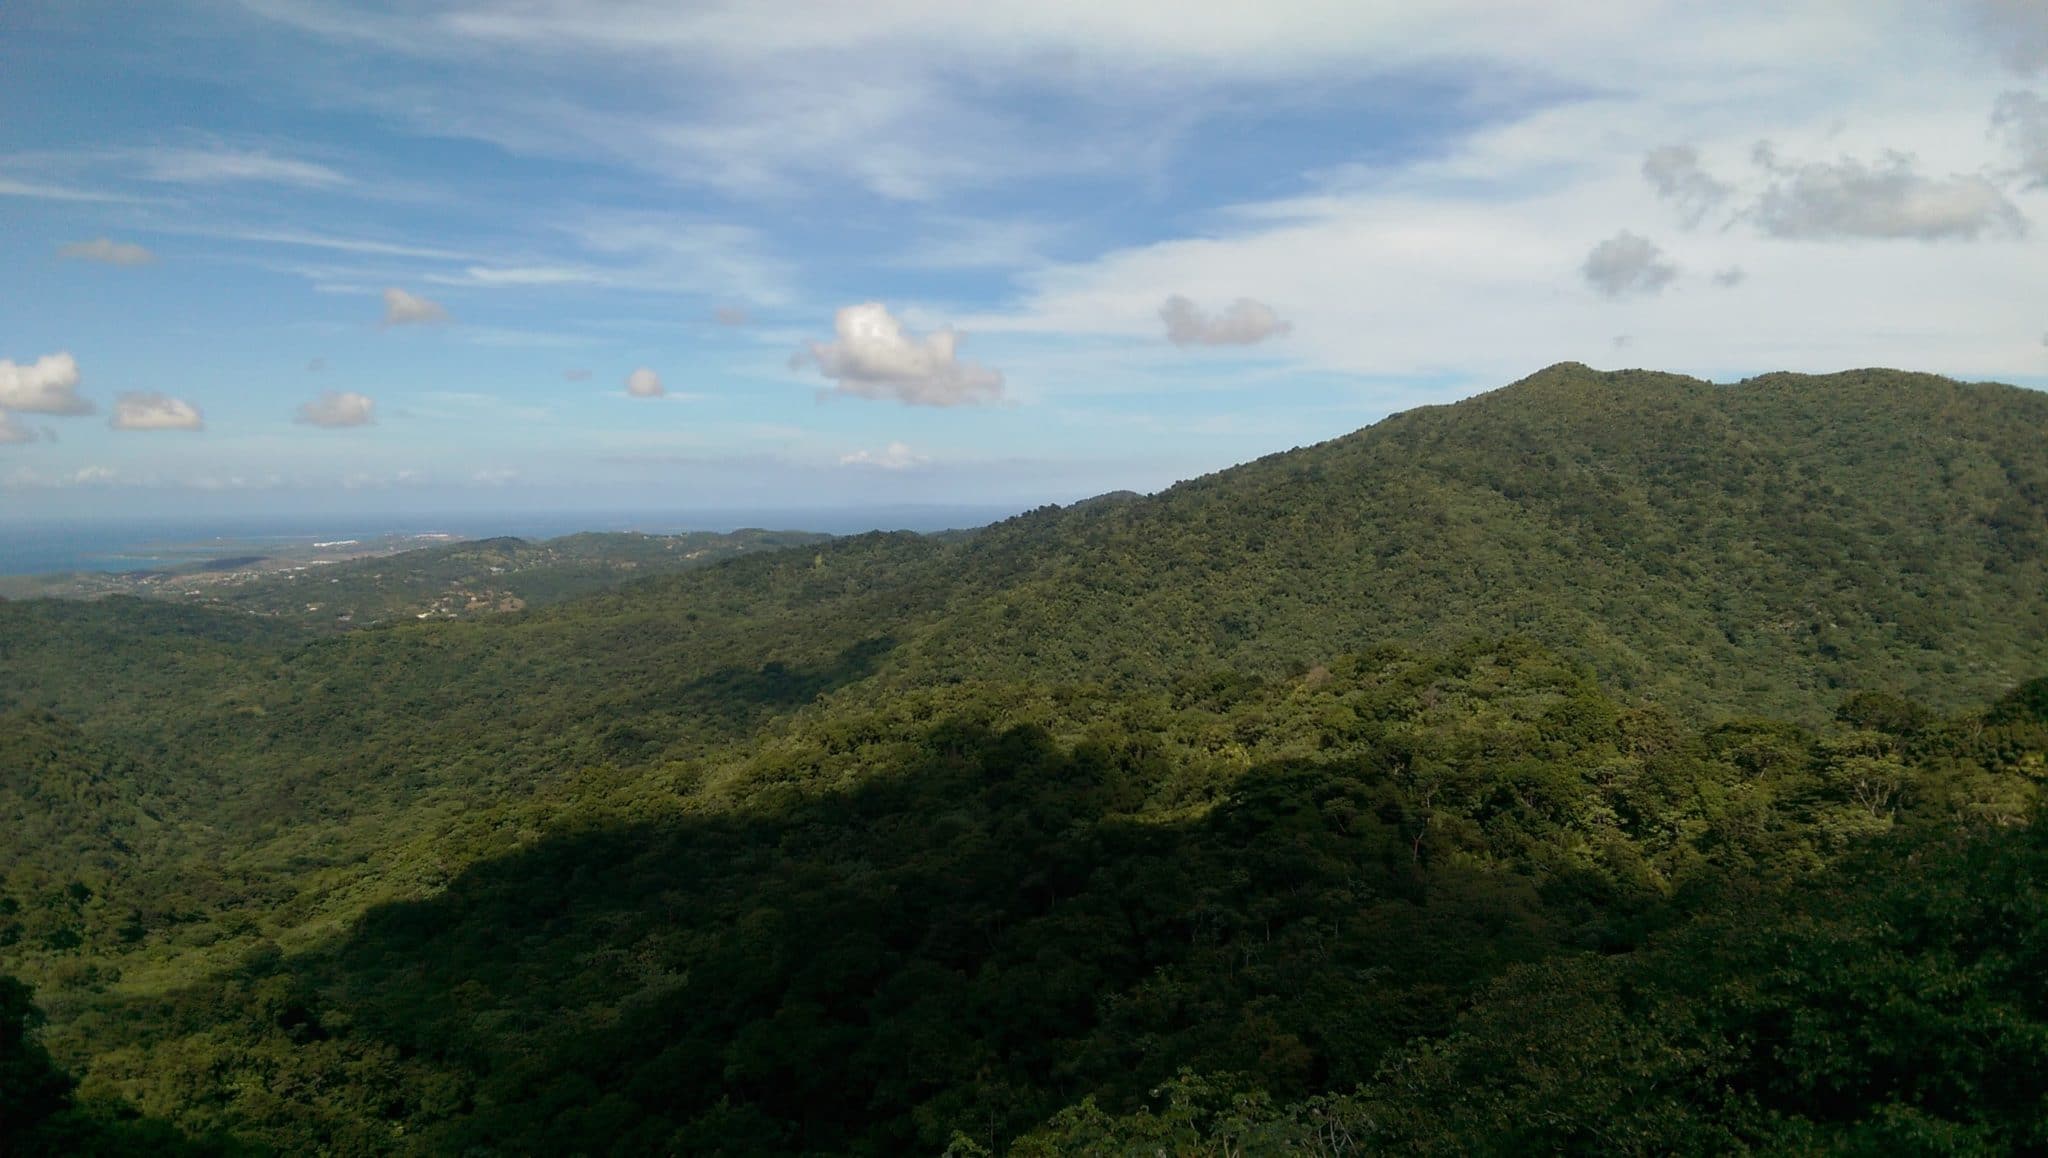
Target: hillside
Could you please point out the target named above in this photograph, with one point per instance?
(1270, 775)
(1738, 548)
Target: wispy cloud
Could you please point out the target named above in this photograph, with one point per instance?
(369, 246)
(40, 190)
(220, 165)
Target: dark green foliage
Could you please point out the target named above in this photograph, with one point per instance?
(1893, 1004)
(891, 927)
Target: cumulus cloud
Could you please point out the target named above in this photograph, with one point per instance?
(645, 383)
(2019, 30)
(730, 316)
(873, 357)
(49, 385)
(338, 408)
(405, 309)
(12, 431)
(1626, 265)
(1818, 200)
(2022, 119)
(1244, 323)
(1731, 277)
(107, 252)
(1674, 172)
(150, 411)
(895, 456)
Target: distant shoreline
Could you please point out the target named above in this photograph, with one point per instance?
(114, 546)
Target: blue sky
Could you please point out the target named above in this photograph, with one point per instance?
(280, 255)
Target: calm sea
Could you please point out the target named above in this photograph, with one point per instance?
(41, 547)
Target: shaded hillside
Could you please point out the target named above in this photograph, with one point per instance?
(985, 903)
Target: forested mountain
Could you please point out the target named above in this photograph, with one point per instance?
(1601, 720)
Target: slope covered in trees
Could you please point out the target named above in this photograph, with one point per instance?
(1289, 778)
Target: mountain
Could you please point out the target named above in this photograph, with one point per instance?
(854, 844)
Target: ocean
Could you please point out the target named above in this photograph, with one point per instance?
(38, 547)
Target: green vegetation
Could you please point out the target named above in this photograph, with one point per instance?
(1610, 763)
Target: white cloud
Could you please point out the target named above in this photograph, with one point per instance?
(873, 357)
(1848, 199)
(138, 411)
(217, 166)
(644, 383)
(895, 456)
(108, 252)
(406, 309)
(1626, 265)
(2022, 119)
(12, 431)
(338, 408)
(49, 385)
(1730, 277)
(1674, 171)
(494, 476)
(1244, 323)
(93, 475)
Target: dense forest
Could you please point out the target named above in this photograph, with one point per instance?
(1610, 763)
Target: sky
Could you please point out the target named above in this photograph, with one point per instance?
(274, 256)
